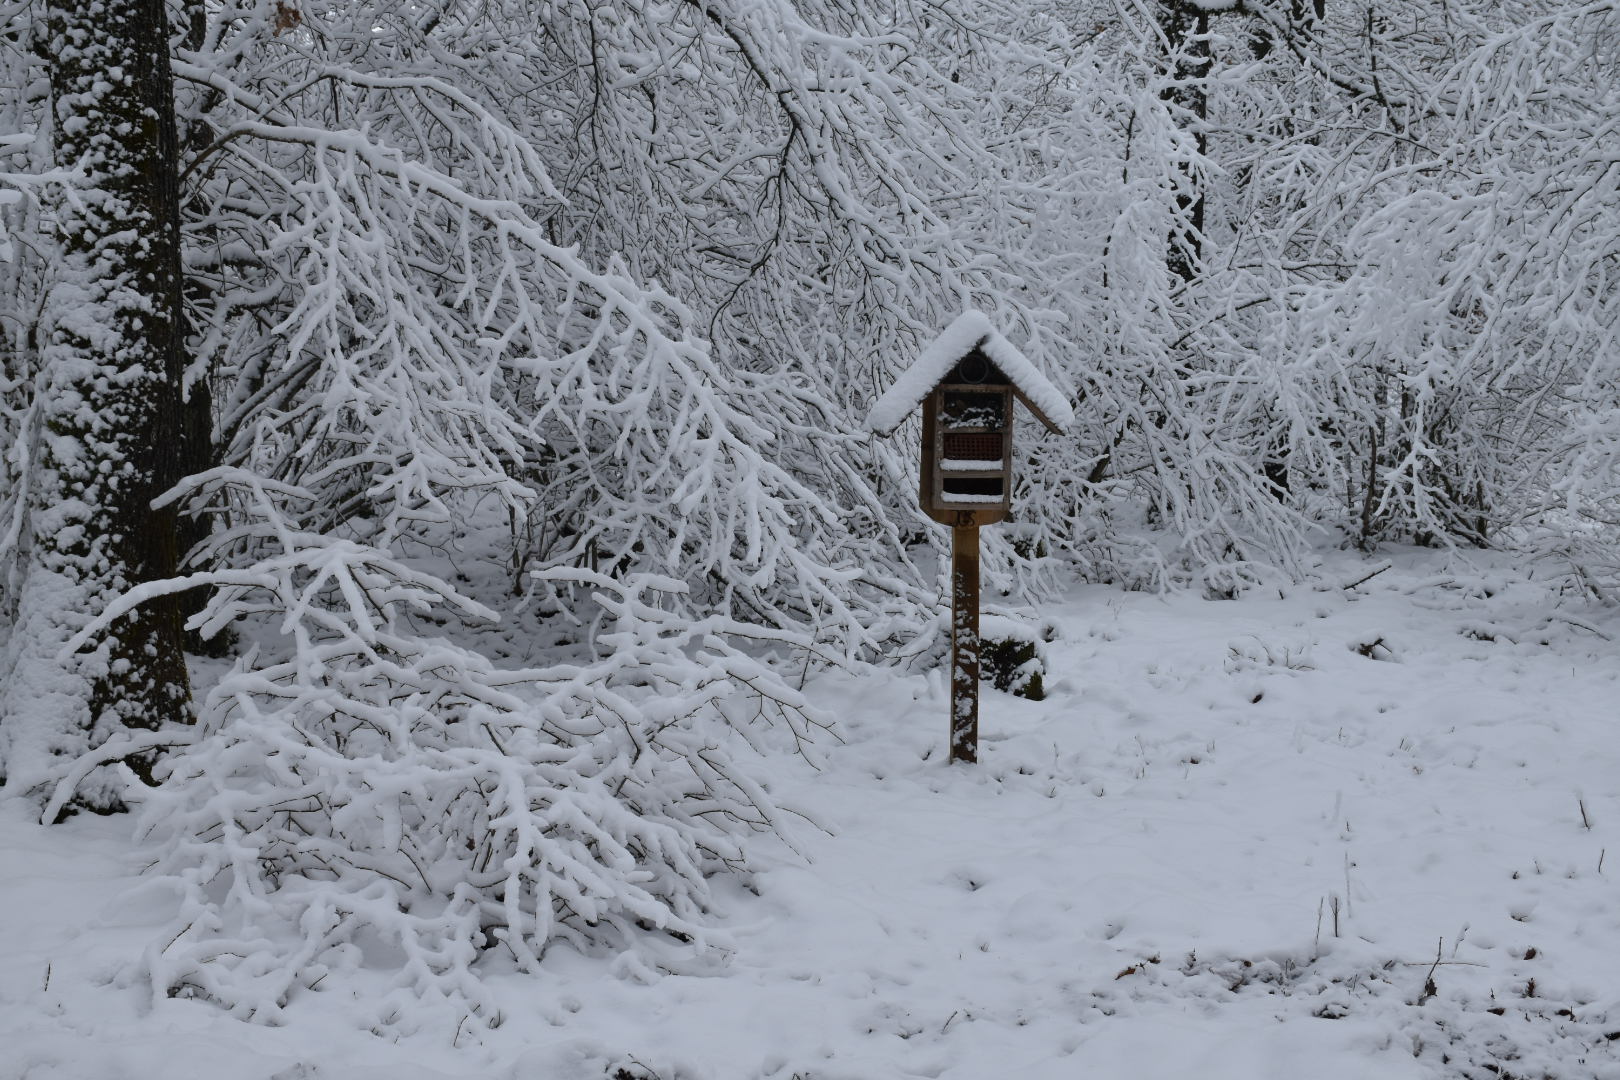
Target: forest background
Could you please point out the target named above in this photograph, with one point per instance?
(475, 393)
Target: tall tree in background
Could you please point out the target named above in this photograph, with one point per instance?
(1183, 28)
(101, 438)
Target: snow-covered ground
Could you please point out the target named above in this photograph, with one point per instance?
(1328, 834)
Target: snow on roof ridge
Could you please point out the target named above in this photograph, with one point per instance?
(969, 330)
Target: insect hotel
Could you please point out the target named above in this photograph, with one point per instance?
(966, 381)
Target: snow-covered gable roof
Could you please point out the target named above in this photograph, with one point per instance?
(968, 331)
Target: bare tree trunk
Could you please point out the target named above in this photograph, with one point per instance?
(198, 450)
(108, 434)
(1185, 27)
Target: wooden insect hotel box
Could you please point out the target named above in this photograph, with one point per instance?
(966, 382)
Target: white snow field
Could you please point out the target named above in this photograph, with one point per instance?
(1325, 833)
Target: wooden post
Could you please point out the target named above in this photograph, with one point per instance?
(965, 642)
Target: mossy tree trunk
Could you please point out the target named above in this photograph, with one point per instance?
(106, 436)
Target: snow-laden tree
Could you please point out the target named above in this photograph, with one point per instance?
(406, 333)
(1104, 206)
(358, 782)
(1260, 377)
(1479, 310)
(691, 145)
(401, 353)
(802, 176)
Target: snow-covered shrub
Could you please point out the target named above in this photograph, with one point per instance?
(362, 792)
(1012, 654)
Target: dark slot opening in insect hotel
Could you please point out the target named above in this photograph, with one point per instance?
(976, 488)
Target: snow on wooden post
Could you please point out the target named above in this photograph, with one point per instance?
(965, 643)
(966, 381)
